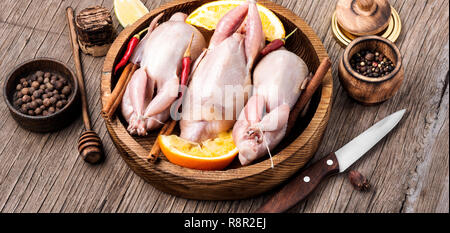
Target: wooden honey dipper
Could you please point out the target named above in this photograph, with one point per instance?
(89, 144)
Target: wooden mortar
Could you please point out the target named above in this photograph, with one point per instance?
(371, 90)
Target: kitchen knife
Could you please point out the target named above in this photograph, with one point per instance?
(337, 162)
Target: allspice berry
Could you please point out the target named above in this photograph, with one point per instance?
(39, 73)
(358, 181)
(49, 87)
(41, 94)
(35, 84)
(38, 111)
(59, 104)
(59, 85)
(24, 109)
(53, 100)
(51, 110)
(46, 102)
(33, 105)
(25, 91)
(66, 90)
(26, 98)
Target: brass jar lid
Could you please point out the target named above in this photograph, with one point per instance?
(392, 32)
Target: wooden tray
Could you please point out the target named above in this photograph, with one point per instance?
(236, 182)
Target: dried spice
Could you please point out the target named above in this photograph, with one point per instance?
(372, 63)
(37, 96)
(358, 181)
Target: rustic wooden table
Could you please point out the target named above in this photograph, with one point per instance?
(408, 170)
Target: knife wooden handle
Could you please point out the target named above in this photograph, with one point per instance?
(301, 186)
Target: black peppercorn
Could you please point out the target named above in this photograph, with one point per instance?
(369, 56)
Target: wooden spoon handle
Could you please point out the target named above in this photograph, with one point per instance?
(76, 57)
(301, 186)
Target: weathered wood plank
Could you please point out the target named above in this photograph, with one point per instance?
(408, 170)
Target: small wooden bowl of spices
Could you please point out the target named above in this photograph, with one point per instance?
(371, 69)
(42, 95)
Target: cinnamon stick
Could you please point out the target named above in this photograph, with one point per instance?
(167, 129)
(119, 90)
(309, 91)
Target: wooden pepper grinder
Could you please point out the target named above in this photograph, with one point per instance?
(363, 17)
(89, 144)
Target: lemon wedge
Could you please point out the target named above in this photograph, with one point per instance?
(129, 11)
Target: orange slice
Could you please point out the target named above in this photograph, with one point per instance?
(213, 154)
(208, 15)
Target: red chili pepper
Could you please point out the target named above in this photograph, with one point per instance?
(185, 71)
(186, 66)
(276, 44)
(134, 41)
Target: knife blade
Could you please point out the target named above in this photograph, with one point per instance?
(336, 162)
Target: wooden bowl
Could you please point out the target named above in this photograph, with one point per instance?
(371, 90)
(52, 122)
(235, 182)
